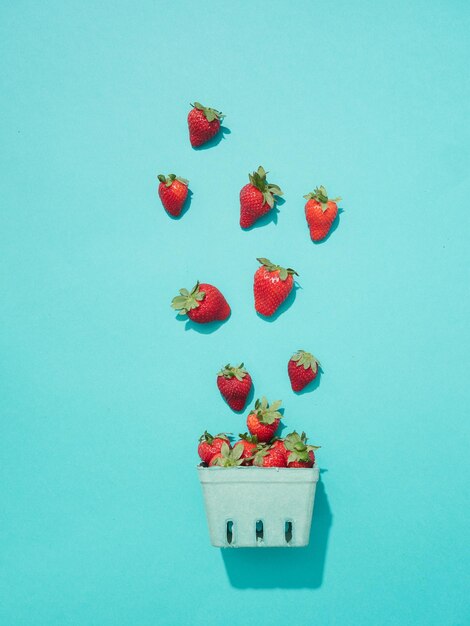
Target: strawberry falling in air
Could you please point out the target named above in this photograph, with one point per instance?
(203, 304)
(302, 368)
(320, 213)
(203, 124)
(173, 192)
(257, 198)
(234, 384)
(272, 285)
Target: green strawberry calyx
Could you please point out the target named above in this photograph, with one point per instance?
(297, 446)
(305, 359)
(188, 300)
(209, 114)
(208, 438)
(284, 272)
(266, 413)
(248, 437)
(230, 458)
(258, 456)
(229, 371)
(320, 195)
(258, 180)
(168, 180)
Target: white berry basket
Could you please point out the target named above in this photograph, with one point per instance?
(259, 507)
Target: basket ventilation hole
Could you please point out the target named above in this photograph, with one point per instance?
(259, 530)
(288, 531)
(229, 531)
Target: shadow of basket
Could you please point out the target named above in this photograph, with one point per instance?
(291, 568)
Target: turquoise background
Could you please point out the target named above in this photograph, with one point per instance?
(104, 393)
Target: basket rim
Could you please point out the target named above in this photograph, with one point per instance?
(256, 475)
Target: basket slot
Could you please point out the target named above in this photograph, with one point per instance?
(259, 530)
(288, 531)
(229, 531)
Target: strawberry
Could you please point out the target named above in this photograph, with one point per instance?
(203, 304)
(234, 384)
(267, 456)
(272, 285)
(209, 445)
(302, 368)
(250, 445)
(299, 453)
(227, 457)
(203, 123)
(263, 420)
(278, 444)
(257, 198)
(320, 213)
(173, 192)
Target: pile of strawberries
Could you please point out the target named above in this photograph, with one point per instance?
(261, 447)
(272, 285)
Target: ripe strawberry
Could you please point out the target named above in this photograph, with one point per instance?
(234, 384)
(278, 444)
(209, 445)
(204, 304)
(227, 457)
(257, 198)
(173, 192)
(302, 368)
(299, 453)
(203, 123)
(269, 457)
(250, 445)
(263, 420)
(272, 285)
(320, 213)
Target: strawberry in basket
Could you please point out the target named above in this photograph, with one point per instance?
(299, 453)
(264, 419)
(269, 456)
(249, 444)
(209, 446)
(228, 457)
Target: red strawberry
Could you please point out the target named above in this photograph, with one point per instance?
(299, 453)
(320, 213)
(234, 384)
(250, 445)
(173, 192)
(257, 198)
(272, 285)
(204, 123)
(204, 304)
(302, 368)
(209, 445)
(269, 457)
(227, 457)
(264, 419)
(278, 444)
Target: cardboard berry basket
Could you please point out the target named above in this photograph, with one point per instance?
(259, 507)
